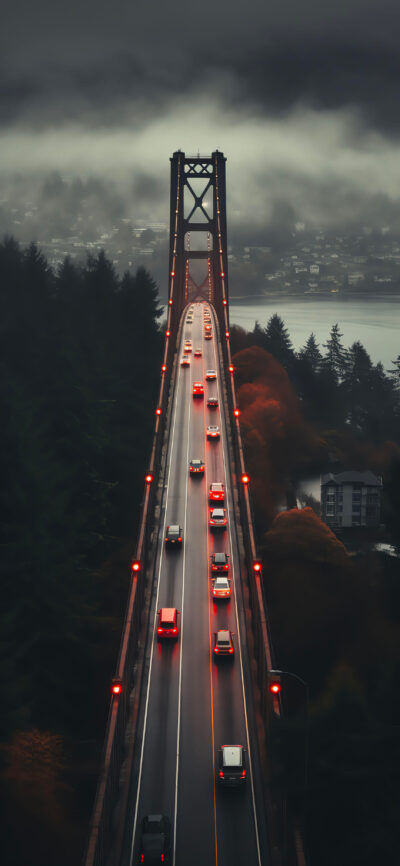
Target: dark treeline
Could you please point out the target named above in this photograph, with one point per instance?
(79, 372)
(335, 617)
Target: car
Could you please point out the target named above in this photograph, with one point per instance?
(221, 587)
(196, 467)
(167, 622)
(230, 765)
(212, 403)
(219, 563)
(217, 492)
(217, 519)
(207, 326)
(208, 335)
(213, 431)
(223, 643)
(187, 348)
(198, 389)
(185, 361)
(189, 320)
(174, 536)
(210, 374)
(155, 843)
(197, 353)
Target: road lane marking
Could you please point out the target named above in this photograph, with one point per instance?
(178, 733)
(230, 494)
(180, 379)
(210, 645)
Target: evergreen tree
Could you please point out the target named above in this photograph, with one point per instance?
(311, 353)
(336, 357)
(395, 374)
(277, 341)
(358, 384)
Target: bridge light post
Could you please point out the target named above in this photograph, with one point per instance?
(236, 413)
(231, 368)
(148, 478)
(164, 368)
(274, 681)
(245, 478)
(135, 567)
(116, 686)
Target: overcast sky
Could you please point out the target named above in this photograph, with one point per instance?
(302, 97)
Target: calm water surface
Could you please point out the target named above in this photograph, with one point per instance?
(375, 323)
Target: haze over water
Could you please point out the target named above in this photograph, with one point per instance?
(376, 324)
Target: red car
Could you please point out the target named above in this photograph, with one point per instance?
(198, 389)
(168, 622)
(197, 353)
(217, 492)
(212, 403)
(208, 335)
(196, 467)
(221, 588)
(217, 519)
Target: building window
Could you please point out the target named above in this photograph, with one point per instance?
(356, 509)
(330, 510)
(356, 497)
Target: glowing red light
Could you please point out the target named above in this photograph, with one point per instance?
(236, 413)
(216, 650)
(135, 565)
(224, 302)
(172, 273)
(148, 478)
(174, 631)
(168, 333)
(158, 411)
(231, 650)
(245, 478)
(159, 630)
(221, 775)
(256, 566)
(179, 539)
(227, 335)
(243, 774)
(222, 273)
(170, 302)
(164, 368)
(231, 368)
(275, 687)
(116, 687)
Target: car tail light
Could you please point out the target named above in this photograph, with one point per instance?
(243, 774)
(159, 630)
(162, 858)
(231, 650)
(174, 631)
(142, 858)
(221, 775)
(216, 650)
(179, 539)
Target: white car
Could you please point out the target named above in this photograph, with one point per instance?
(211, 374)
(213, 432)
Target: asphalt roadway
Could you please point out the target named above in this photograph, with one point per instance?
(190, 704)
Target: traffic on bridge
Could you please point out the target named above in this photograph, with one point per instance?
(197, 763)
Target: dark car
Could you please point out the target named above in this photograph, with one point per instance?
(219, 563)
(196, 467)
(231, 770)
(223, 643)
(155, 843)
(174, 536)
(212, 403)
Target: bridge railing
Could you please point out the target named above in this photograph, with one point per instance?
(102, 828)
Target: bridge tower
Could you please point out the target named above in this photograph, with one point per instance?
(198, 232)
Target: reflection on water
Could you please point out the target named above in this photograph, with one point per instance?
(375, 323)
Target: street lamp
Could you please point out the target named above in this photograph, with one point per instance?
(275, 688)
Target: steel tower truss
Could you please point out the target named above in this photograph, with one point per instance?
(186, 172)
